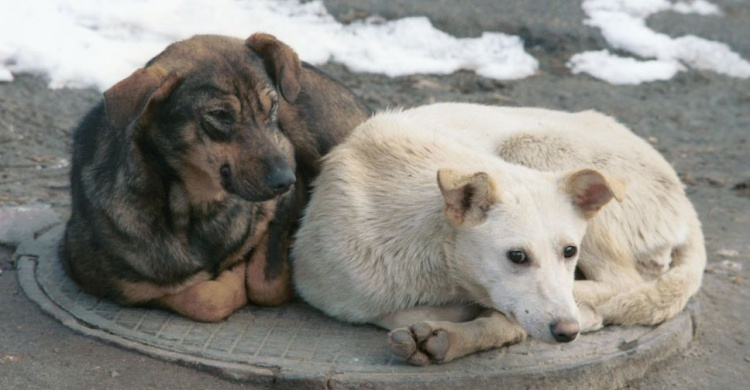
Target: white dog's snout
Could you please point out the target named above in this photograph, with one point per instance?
(565, 331)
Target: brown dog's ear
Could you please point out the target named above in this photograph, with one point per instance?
(281, 60)
(128, 99)
(591, 189)
(468, 196)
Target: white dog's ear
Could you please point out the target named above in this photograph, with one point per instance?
(591, 189)
(468, 196)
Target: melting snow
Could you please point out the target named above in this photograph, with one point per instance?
(623, 25)
(82, 43)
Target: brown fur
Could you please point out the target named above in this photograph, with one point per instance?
(180, 176)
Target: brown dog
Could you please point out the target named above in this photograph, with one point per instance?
(188, 179)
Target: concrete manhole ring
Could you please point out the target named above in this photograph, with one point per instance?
(295, 346)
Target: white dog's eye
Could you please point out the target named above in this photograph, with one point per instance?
(570, 251)
(518, 257)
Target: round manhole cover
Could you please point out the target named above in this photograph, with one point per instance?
(295, 346)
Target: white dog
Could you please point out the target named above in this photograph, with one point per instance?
(515, 207)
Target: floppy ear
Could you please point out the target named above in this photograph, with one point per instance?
(590, 190)
(127, 100)
(281, 60)
(468, 196)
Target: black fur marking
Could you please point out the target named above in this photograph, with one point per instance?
(467, 198)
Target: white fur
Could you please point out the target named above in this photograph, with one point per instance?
(375, 239)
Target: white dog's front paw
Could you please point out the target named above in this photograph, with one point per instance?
(590, 318)
(422, 344)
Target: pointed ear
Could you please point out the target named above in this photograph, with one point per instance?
(590, 190)
(127, 100)
(468, 196)
(281, 61)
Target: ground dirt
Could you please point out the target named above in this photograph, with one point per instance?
(700, 121)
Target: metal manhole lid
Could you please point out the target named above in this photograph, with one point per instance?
(296, 346)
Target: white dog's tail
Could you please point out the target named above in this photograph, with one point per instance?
(661, 299)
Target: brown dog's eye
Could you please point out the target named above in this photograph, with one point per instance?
(518, 257)
(272, 112)
(218, 123)
(570, 251)
(222, 116)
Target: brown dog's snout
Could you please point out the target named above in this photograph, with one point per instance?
(280, 178)
(564, 331)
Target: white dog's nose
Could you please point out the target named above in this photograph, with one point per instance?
(564, 331)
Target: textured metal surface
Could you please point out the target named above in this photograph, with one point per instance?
(295, 345)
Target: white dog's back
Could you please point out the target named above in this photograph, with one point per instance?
(657, 214)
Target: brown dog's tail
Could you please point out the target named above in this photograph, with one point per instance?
(661, 299)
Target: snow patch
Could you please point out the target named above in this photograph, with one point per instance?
(5, 75)
(382, 48)
(700, 7)
(622, 70)
(83, 43)
(703, 54)
(623, 25)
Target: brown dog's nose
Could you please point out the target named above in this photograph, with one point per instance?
(280, 179)
(564, 331)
